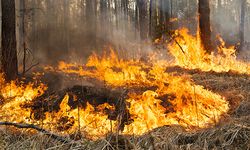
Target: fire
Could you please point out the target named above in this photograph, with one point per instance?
(175, 100)
(194, 56)
(89, 121)
(15, 94)
(110, 69)
(155, 98)
(188, 105)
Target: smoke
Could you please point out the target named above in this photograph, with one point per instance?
(225, 19)
(54, 36)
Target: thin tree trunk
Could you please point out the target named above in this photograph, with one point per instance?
(49, 24)
(34, 26)
(166, 6)
(23, 32)
(142, 6)
(136, 18)
(103, 14)
(66, 25)
(242, 24)
(204, 25)
(116, 14)
(91, 21)
(171, 8)
(153, 18)
(9, 49)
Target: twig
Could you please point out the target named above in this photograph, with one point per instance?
(31, 126)
(172, 38)
(31, 67)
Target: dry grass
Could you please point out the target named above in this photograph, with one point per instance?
(233, 132)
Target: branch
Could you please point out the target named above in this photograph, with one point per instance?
(31, 126)
(31, 67)
(172, 38)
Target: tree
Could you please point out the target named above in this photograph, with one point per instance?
(9, 49)
(91, 21)
(204, 25)
(104, 16)
(34, 26)
(142, 9)
(164, 15)
(22, 37)
(66, 25)
(242, 24)
(152, 18)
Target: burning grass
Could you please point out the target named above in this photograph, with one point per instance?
(199, 101)
(174, 101)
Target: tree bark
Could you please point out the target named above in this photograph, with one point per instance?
(116, 13)
(204, 25)
(165, 17)
(34, 16)
(153, 18)
(23, 33)
(242, 24)
(66, 25)
(142, 6)
(104, 17)
(9, 49)
(49, 27)
(91, 21)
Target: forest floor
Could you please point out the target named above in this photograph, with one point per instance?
(231, 133)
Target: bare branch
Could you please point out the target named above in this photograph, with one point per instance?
(172, 38)
(31, 126)
(31, 67)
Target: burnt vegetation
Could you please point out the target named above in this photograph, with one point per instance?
(125, 74)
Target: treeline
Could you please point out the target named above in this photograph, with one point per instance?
(63, 25)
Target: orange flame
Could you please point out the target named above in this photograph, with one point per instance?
(173, 100)
(14, 95)
(194, 56)
(191, 105)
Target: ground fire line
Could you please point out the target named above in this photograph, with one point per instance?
(135, 98)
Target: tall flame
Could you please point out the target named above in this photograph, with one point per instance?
(176, 100)
(194, 56)
(163, 98)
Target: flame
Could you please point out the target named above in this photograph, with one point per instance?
(194, 56)
(188, 105)
(162, 98)
(173, 19)
(14, 95)
(93, 123)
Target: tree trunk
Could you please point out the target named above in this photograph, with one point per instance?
(49, 27)
(171, 8)
(242, 24)
(23, 33)
(9, 49)
(164, 15)
(136, 18)
(153, 18)
(142, 6)
(204, 25)
(34, 39)
(116, 13)
(104, 17)
(66, 25)
(91, 21)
